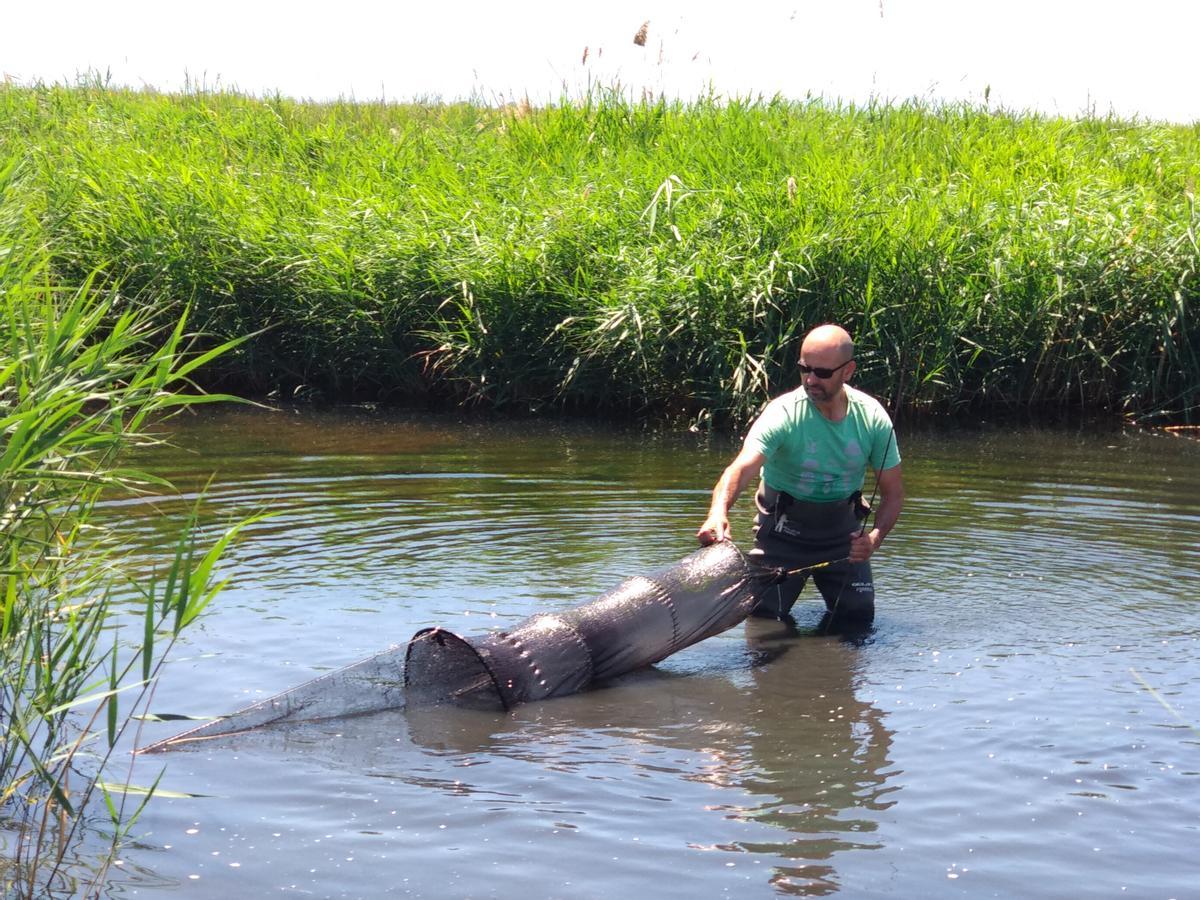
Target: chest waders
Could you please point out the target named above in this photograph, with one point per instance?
(790, 533)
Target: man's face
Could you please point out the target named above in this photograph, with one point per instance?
(822, 390)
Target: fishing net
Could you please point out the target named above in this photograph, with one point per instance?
(369, 685)
(640, 622)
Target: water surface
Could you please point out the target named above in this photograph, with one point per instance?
(1021, 722)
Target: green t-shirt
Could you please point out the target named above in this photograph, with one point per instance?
(812, 458)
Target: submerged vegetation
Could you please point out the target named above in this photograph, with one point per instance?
(646, 257)
(83, 374)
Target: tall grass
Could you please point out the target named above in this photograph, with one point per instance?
(644, 257)
(83, 375)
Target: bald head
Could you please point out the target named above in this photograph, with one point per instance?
(826, 364)
(828, 342)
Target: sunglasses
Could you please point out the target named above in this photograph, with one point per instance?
(820, 372)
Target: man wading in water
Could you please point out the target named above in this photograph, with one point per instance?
(813, 447)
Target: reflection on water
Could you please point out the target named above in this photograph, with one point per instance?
(1021, 720)
(823, 776)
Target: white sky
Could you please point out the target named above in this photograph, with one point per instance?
(1134, 58)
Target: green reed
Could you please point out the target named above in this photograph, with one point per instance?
(642, 257)
(83, 376)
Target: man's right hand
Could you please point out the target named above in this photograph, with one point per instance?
(733, 481)
(714, 530)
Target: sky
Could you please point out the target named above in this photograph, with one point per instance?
(1136, 58)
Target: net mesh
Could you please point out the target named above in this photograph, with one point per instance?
(369, 685)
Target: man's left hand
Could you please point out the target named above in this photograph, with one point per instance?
(863, 545)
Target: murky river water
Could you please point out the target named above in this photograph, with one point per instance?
(1022, 722)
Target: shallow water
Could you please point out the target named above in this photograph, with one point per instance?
(1022, 721)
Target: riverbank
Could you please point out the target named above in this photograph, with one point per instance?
(647, 259)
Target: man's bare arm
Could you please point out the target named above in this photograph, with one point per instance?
(891, 501)
(733, 481)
